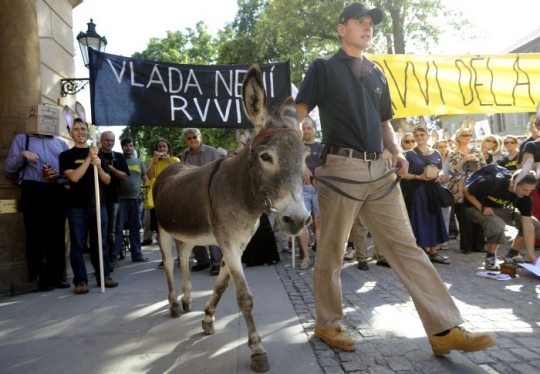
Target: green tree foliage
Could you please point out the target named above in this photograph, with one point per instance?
(193, 46)
(302, 30)
(412, 26)
(237, 45)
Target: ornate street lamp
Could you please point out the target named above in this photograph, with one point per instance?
(90, 39)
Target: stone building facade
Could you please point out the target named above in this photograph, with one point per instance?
(36, 40)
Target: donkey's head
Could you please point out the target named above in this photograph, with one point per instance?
(277, 155)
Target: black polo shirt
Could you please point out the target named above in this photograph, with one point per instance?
(351, 105)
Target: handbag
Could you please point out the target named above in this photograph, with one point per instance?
(148, 199)
(446, 198)
(455, 187)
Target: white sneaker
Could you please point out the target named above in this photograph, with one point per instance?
(491, 264)
(518, 259)
(349, 254)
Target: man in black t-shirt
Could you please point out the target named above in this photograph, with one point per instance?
(77, 164)
(491, 201)
(119, 171)
(531, 147)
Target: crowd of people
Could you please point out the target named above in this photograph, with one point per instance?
(350, 190)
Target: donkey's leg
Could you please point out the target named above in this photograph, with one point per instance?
(221, 285)
(184, 250)
(165, 246)
(259, 359)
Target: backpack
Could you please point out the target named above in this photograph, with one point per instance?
(487, 171)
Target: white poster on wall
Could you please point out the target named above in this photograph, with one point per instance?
(481, 129)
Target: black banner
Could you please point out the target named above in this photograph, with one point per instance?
(129, 92)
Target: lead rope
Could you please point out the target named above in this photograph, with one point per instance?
(325, 180)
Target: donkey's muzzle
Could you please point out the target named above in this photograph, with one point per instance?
(293, 225)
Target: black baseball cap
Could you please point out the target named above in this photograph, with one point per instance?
(357, 10)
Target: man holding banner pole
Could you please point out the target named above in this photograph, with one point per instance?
(354, 180)
(87, 173)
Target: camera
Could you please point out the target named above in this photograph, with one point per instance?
(161, 154)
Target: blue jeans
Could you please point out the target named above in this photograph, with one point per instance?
(128, 218)
(311, 200)
(83, 221)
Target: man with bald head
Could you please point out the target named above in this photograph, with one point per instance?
(119, 171)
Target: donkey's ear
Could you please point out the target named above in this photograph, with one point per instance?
(80, 111)
(69, 116)
(289, 113)
(254, 97)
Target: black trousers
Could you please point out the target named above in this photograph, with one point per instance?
(471, 235)
(44, 208)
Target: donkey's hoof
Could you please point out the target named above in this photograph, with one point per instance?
(186, 306)
(259, 363)
(175, 311)
(208, 327)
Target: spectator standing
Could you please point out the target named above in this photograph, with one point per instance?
(408, 141)
(420, 193)
(199, 154)
(162, 158)
(462, 162)
(309, 192)
(77, 164)
(444, 178)
(531, 148)
(534, 129)
(510, 158)
(354, 103)
(491, 148)
(130, 196)
(43, 201)
(118, 171)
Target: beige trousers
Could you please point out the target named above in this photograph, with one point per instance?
(387, 221)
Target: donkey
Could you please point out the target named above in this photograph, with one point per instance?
(220, 203)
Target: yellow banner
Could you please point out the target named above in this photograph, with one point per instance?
(435, 85)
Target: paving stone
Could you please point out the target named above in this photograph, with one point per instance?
(399, 363)
(509, 309)
(328, 361)
(525, 354)
(525, 369)
(354, 366)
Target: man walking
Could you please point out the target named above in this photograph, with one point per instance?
(130, 196)
(354, 103)
(199, 154)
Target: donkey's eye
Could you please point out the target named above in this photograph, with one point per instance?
(267, 158)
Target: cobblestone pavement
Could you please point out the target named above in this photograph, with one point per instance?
(381, 317)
